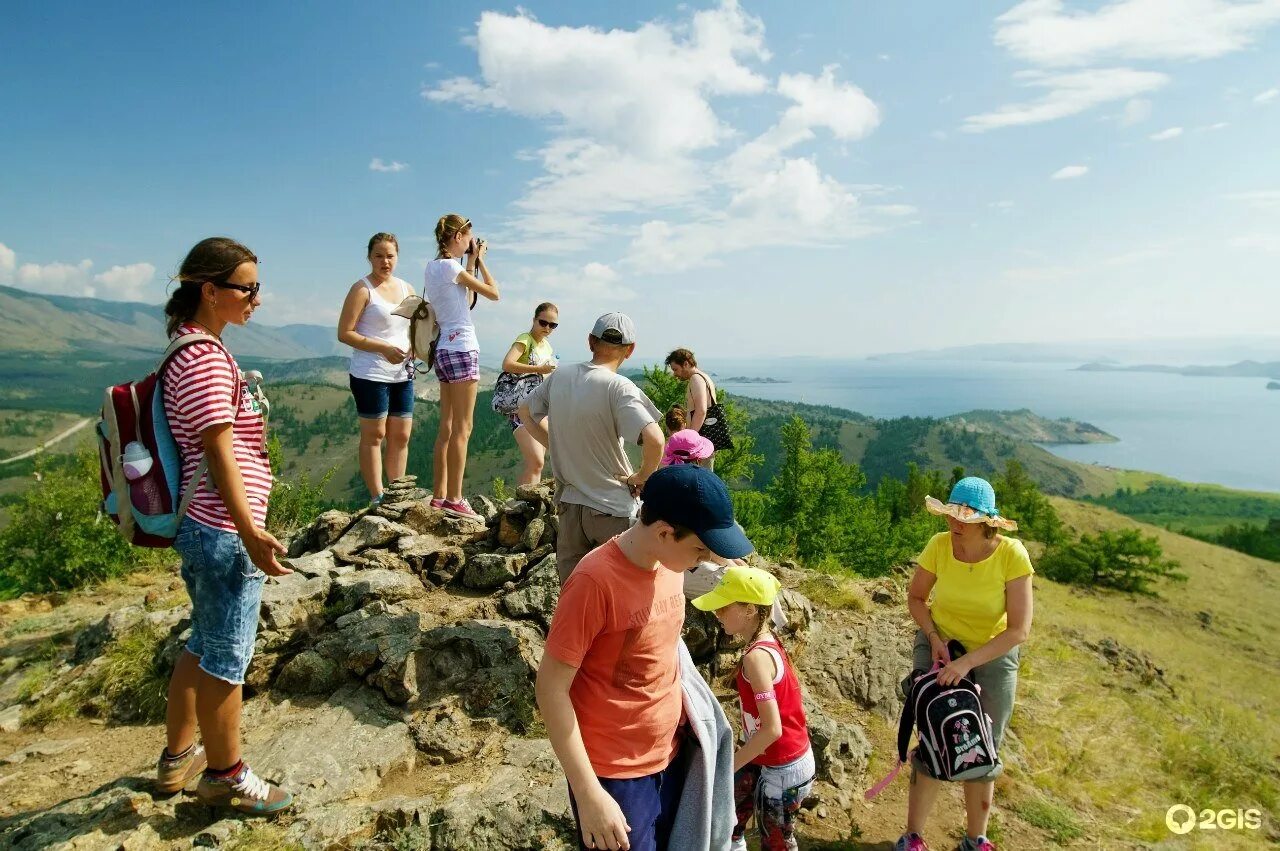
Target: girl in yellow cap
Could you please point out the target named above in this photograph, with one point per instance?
(774, 768)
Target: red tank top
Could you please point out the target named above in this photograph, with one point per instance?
(794, 740)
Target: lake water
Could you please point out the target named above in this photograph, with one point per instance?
(1218, 430)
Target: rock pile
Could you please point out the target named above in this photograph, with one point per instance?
(405, 645)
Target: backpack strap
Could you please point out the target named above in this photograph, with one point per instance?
(176, 345)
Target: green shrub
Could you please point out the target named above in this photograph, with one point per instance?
(295, 504)
(1126, 561)
(57, 540)
(132, 680)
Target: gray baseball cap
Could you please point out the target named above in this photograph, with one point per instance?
(615, 328)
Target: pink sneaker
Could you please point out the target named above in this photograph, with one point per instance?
(910, 842)
(461, 508)
(437, 503)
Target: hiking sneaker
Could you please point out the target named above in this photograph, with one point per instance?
(437, 503)
(979, 844)
(243, 791)
(910, 842)
(461, 508)
(174, 773)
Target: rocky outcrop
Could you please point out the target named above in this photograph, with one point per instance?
(405, 644)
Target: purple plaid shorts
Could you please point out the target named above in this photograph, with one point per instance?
(457, 367)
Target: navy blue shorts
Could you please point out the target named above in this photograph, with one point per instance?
(377, 399)
(648, 803)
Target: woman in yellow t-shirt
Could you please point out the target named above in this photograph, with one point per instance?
(529, 355)
(980, 583)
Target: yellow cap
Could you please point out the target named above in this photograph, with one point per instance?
(741, 585)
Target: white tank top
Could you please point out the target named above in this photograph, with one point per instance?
(377, 322)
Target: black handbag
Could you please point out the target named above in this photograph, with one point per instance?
(715, 427)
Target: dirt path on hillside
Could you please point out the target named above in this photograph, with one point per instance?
(50, 442)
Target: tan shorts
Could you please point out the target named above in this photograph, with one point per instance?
(582, 529)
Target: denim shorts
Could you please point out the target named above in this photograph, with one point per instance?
(376, 399)
(225, 589)
(999, 681)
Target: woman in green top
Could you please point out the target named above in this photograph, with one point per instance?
(531, 354)
(971, 585)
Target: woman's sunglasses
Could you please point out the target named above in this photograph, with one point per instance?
(545, 324)
(252, 290)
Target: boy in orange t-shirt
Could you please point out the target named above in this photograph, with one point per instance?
(609, 684)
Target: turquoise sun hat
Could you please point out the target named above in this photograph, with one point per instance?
(972, 500)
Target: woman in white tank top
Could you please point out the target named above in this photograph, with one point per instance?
(381, 369)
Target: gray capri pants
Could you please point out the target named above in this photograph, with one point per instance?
(999, 681)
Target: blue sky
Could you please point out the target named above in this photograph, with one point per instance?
(746, 179)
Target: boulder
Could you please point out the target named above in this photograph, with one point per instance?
(799, 611)
(701, 633)
(389, 586)
(840, 749)
(381, 560)
(490, 570)
(322, 533)
(444, 734)
(511, 527)
(316, 564)
(333, 752)
(363, 637)
(309, 673)
(424, 519)
(489, 664)
(536, 596)
(485, 507)
(368, 531)
(293, 603)
(509, 812)
(861, 663)
(533, 533)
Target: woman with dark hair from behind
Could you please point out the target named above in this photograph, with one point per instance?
(381, 367)
(226, 550)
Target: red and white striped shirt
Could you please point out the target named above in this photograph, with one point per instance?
(200, 391)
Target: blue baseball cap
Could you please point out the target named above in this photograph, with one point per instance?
(696, 498)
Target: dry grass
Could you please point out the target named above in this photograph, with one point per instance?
(1099, 742)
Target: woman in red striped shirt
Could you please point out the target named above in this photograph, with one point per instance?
(225, 548)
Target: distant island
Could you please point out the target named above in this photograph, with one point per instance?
(1243, 369)
(746, 379)
(1029, 426)
(1273, 385)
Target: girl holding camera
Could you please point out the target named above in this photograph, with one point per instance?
(453, 288)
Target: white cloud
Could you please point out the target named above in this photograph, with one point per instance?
(1267, 96)
(638, 147)
(1268, 242)
(646, 89)
(125, 283)
(1166, 135)
(1044, 32)
(119, 283)
(1135, 112)
(1002, 205)
(1068, 94)
(1260, 198)
(1069, 172)
(376, 164)
(1217, 126)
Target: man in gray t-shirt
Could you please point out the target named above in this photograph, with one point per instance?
(594, 412)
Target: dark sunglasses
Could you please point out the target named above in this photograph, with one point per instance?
(251, 290)
(545, 324)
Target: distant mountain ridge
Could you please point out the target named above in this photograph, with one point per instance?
(1243, 369)
(54, 324)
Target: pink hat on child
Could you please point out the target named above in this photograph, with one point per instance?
(686, 447)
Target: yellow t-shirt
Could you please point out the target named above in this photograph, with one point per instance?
(535, 353)
(968, 599)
